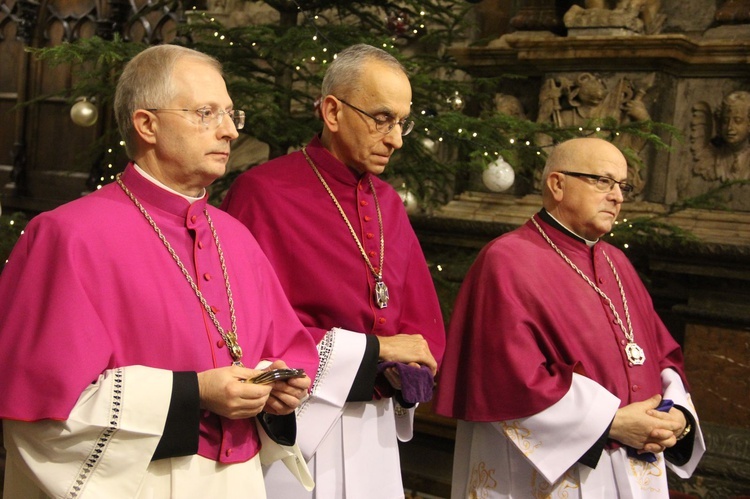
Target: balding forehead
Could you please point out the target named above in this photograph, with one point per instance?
(587, 154)
(576, 150)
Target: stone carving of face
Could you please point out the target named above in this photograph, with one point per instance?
(591, 90)
(735, 119)
(510, 105)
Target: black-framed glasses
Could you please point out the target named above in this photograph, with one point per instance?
(603, 184)
(385, 125)
(209, 115)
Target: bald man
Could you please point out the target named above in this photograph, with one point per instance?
(563, 378)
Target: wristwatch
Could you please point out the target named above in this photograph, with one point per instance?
(685, 432)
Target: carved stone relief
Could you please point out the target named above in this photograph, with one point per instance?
(535, 15)
(712, 160)
(581, 99)
(627, 17)
(510, 105)
(719, 139)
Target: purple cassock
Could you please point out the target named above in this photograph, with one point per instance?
(522, 326)
(316, 258)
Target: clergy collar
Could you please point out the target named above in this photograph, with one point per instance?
(147, 176)
(553, 222)
(325, 161)
(157, 198)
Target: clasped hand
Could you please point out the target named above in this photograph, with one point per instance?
(226, 392)
(409, 349)
(641, 426)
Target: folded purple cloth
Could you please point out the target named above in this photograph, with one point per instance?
(416, 382)
(650, 457)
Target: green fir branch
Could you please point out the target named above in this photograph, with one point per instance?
(714, 199)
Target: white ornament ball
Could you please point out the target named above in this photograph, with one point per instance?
(498, 176)
(84, 113)
(429, 144)
(410, 201)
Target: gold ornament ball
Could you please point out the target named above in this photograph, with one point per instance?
(456, 102)
(84, 113)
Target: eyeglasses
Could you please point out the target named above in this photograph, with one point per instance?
(385, 125)
(209, 115)
(603, 184)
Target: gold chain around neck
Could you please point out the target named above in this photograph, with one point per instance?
(627, 332)
(378, 275)
(229, 337)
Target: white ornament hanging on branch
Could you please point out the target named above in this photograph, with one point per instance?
(411, 203)
(429, 145)
(498, 176)
(84, 113)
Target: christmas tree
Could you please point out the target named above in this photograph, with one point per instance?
(275, 53)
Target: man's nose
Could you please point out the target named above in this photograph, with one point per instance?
(394, 137)
(227, 129)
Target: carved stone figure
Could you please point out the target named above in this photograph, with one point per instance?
(570, 103)
(636, 16)
(719, 140)
(510, 105)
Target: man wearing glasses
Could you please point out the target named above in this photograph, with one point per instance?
(563, 378)
(352, 267)
(134, 317)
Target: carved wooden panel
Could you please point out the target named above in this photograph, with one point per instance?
(45, 158)
(11, 51)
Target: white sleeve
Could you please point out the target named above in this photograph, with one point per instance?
(404, 421)
(675, 391)
(341, 353)
(554, 439)
(105, 446)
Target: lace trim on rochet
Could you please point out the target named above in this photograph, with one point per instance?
(105, 437)
(325, 354)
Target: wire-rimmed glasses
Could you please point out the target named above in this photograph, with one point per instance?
(385, 125)
(209, 115)
(603, 184)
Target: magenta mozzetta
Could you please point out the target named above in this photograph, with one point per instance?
(93, 303)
